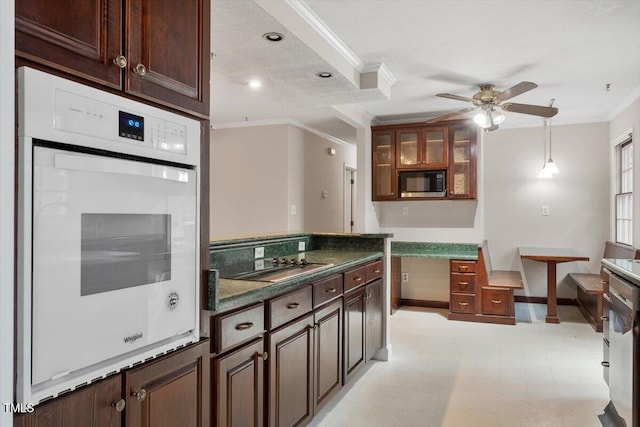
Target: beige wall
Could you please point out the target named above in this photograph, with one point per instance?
(578, 199)
(269, 179)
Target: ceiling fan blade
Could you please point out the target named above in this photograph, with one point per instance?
(450, 115)
(534, 110)
(456, 97)
(516, 90)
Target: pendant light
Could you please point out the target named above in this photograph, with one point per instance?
(545, 173)
(551, 166)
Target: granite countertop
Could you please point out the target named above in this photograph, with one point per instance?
(236, 293)
(466, 251)
(276, 236)
(627, 268)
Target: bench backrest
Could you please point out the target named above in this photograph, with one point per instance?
(484, 263)
(617, 250)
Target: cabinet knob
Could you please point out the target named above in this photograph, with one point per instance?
(140, 70)
(140, 395)
(119, 405)
(120, 61)
(293, 305)
(496, 301)
(263, 355)
(330, 290)
(244, 326)
(463, 304)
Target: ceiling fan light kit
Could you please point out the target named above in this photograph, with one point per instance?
(488, 99)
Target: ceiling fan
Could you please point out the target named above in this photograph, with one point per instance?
(488, 99)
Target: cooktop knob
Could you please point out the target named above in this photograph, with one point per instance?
(275, 260)
(303, 261)
(294, 261)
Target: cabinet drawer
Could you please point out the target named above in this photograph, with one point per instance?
(463, 266)
(237, 327)
(497, 301)
(373, 271)
(463, 283)
(327, 289)
(289, 306)
(461, 303)
(354, 278)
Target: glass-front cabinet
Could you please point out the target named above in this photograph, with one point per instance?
(448, 146)
(383, 164)
(462, 165)
(421, 148)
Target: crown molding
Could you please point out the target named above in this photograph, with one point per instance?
(628, 100)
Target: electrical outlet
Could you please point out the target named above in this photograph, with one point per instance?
(405, 277)
(405, 210)
(545, 210)
(294, 210)
(258, 252)
(301, 246)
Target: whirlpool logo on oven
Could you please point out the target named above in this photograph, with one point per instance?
(132, 338)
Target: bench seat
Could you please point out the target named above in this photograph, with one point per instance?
(505, 279)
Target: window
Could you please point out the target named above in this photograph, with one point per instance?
(624, 196)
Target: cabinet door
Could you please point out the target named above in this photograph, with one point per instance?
(373, 310)
(327, 354)
(168, 52)
(81, 38)
(291, 374)
(354, 332)
(435, 148)
(238, 396)
(93, 405)
(171, 391)
(462, 175)
(384, 178)
(408, 149)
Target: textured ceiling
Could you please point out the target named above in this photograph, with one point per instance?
(571, 49)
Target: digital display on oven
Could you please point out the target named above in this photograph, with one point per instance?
(131, 126)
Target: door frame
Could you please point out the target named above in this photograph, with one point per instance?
(350, 175)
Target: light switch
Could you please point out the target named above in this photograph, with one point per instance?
(258, 252)
(301, 246)
(545, 210)
(405, 210)
(294, 210)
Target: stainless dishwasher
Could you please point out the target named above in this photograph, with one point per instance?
(624, 355)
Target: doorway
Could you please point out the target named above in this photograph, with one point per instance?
(349, 204)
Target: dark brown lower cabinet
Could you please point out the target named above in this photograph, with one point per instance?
(373, 315)
(327, 353)
(354, 331)
(238, 397)
(171, 391)
(291, 374)
(89, 406)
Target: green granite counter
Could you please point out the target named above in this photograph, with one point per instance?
(231, 293)
(466, 251)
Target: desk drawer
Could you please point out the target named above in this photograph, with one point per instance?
(327, 289)
(234, 328)
(354, 278)
(498, 301)
(289, 306)
(463, 283)
(462, 303)
(458, 266)
(373, 271)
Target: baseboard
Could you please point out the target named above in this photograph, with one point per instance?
(424, 303)
(543, 300)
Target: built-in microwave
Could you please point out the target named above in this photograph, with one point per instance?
(425, 183)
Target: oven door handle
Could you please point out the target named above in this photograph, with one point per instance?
(118, 166)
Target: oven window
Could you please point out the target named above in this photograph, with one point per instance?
(124, 250)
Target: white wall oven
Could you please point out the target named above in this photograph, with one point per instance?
(108, 224)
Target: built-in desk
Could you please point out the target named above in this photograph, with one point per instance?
(399, 250)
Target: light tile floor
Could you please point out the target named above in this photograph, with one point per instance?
(459, 374)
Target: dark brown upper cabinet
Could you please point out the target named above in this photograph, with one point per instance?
(422, 148)
(156, 50)
(384, 167)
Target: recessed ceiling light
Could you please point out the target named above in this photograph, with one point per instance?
(255, 84)
(273, 36)
(324, 74)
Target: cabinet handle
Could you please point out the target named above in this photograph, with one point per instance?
(605, 364)
(604, 282)
(119, 405)
(463, 267)
(264, 355)
(120, 61)
(293, 305)
(244, 326)
(140, 395)
(463, 285)
(604, 318)
(357, 279)
(464, 304)
(376, 271)
(140, 70)
(496, 301)
(330, 290)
